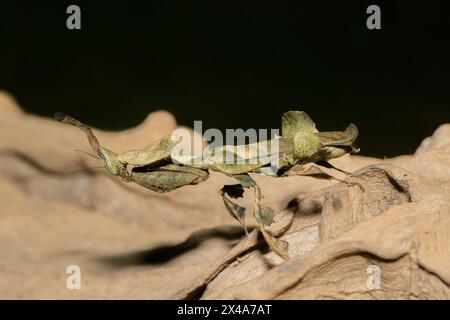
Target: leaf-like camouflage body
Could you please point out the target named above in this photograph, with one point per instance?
(300, 143)
(153, 154)
(169, 177)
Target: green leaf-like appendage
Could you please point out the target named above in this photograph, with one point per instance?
(306, 145)
(169, 177)
(161, 150)
(296, 121)
(264, 216)
(339, 138)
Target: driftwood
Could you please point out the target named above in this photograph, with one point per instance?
(58, 210)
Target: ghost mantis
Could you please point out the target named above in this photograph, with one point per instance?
(156, 168)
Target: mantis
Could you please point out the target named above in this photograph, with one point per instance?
(156, 168)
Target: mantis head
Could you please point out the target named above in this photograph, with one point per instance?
(110, 158)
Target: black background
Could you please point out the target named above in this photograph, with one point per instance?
(235, 64)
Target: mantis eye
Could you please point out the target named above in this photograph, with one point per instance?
(306, 145)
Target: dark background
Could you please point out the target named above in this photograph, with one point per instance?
(235, 64)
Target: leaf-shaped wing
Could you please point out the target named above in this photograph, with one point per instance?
(169, 177)
(159, 151)
(296, 121)
(339, 138)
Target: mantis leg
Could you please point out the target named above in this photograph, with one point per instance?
(328, 165)
(264, 217)
(316, 172)
(262, 214)
(235, 210)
